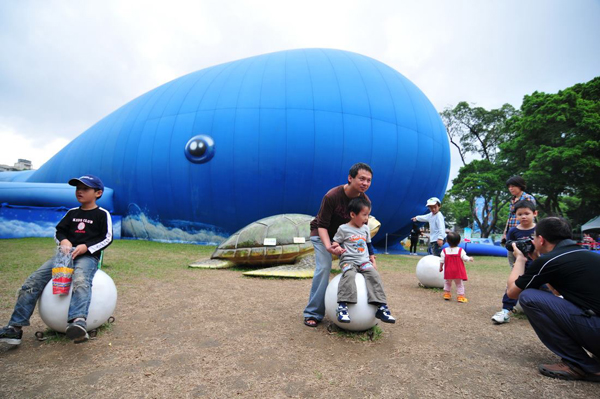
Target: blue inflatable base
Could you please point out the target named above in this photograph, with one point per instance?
(482, 249)
(471, 249)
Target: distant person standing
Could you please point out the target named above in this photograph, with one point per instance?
(588, 242)
(437, 226)
(516, 186)
(415, 234)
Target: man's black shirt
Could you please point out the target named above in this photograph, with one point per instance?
(574, 272)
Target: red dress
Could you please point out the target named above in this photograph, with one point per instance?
(454, 267)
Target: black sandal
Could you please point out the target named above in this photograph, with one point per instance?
(307, 322)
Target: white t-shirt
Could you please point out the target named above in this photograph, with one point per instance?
(437, 227)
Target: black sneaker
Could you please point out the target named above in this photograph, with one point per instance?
(76, 331)
(10, 336)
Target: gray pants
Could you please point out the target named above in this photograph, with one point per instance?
(347, 285)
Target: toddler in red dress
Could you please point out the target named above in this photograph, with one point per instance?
(452, 264)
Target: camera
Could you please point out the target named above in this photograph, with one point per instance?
(524, 245)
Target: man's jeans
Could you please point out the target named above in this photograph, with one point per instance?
(84, 270)
(316, 300)
(563, 328)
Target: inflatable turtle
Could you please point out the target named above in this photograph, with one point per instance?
(280, 241)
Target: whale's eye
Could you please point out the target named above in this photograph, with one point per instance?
(200, 149)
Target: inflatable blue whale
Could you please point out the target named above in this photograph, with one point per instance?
(210, 152)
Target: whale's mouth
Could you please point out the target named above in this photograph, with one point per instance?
(200, 149)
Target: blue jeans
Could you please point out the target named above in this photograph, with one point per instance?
(316, 300)
(435, 248)
(508, 303)
(563, 328)
(84, 270)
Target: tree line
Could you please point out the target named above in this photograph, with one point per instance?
(552, 141)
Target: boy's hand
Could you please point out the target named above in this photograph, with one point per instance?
(79, 250)
(336, 249)
(65, 246)
(440, 242)
(414, 219)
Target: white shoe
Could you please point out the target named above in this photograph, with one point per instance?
(501, 317)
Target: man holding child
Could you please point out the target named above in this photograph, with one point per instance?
(332, 214)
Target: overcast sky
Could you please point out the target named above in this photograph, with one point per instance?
(64, 65)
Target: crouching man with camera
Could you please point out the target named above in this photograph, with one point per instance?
(568, 324)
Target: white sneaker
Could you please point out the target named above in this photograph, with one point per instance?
(501, 317)
(342, 314)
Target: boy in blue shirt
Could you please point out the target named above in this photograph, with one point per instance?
(525, 213)
(84, 232)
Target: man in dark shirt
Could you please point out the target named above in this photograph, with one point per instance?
(567, 320)
(332, 214)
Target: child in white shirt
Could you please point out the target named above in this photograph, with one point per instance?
(437, 227)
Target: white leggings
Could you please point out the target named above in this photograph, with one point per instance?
(460, 287)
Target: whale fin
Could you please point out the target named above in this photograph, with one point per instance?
(208, 263)
(303, 268)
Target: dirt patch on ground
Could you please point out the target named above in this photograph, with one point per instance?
(218, 334)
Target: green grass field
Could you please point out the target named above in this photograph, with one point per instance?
(128, 260)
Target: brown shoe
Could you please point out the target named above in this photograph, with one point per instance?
(562, 371)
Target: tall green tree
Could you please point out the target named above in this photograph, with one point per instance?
(554, 143)
(456, 211)
(476, 130)
(482, 179)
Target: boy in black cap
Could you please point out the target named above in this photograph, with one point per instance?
(84, 232)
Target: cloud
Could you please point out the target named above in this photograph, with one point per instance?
(36, 150)
(66, 65)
